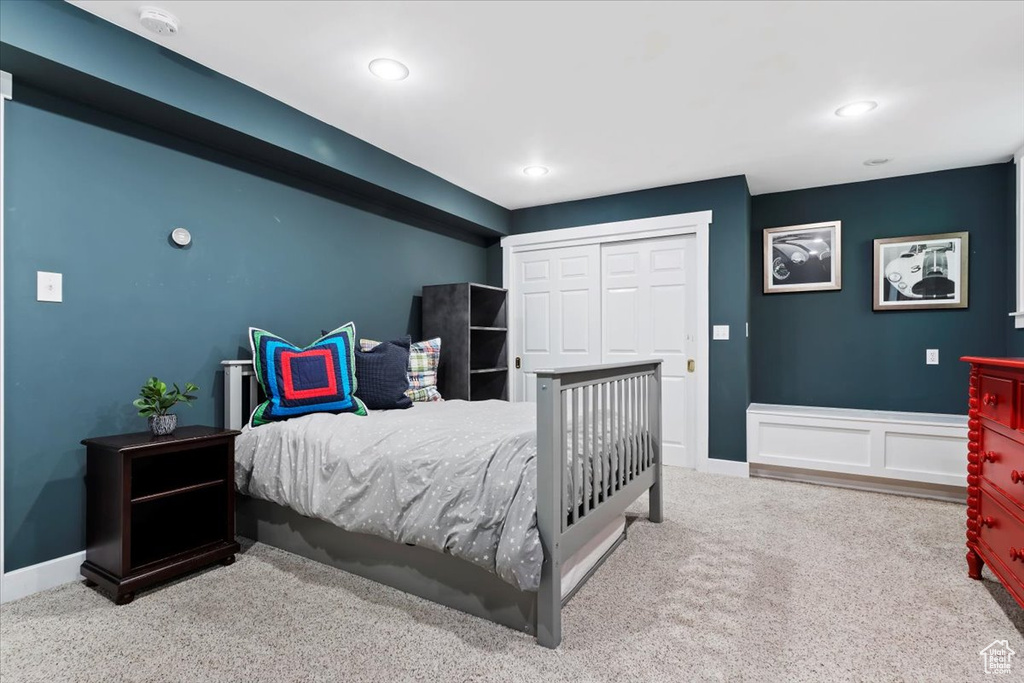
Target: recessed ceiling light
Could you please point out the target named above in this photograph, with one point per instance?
(389, 69)
(535, 171)
(876, 162)
(856, 108)
(158, 20)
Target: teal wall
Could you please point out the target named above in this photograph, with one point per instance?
(831, 349)
(95, 198)
(729, 200)
(57, 46)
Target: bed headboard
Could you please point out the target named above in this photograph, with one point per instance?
(236, 409)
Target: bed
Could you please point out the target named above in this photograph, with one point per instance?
(496, 509)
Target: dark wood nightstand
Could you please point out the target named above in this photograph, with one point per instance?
(157, 507)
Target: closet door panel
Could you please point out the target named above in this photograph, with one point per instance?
(557, 312)
(649, 310)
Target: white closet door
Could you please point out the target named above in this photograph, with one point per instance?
(649, 310)
(557, 312)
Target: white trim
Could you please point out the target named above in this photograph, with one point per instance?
(949, 494)
(916, 447)
(6, 91)
(729, 468)
(601, 233)
(43, 576)
(1018, 160)
(697, 223)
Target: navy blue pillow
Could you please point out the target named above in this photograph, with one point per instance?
(382, 375)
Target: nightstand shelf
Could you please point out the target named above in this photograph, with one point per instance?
(175, 492)
(157, 507)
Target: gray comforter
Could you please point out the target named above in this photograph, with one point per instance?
(456, 477)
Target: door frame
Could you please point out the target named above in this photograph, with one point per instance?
(6, 92)
(697, 223)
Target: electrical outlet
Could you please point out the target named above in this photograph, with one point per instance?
(931, 356)
(720, 332)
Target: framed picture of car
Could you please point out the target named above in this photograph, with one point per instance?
(803, 258)
(922, 272)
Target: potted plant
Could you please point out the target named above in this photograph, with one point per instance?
(155, 400)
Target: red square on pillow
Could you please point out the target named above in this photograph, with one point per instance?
(308, 374)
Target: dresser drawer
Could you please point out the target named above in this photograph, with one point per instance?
(1001, 462)
(1001, 538)
(995, 398)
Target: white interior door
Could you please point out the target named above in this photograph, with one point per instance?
(556, 312)
(649, 310)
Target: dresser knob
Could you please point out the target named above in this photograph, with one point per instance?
(986, 521)
(1016, 477)
(990, 400)
(989, 456)
(1016, 554)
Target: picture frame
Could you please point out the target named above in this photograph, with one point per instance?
(803, 258)
(922, 272)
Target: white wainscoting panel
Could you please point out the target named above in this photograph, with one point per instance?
(920, 447)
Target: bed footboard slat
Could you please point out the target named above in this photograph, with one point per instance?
(589, 479)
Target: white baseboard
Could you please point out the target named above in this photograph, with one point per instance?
(39, 577)
(731, 468)
(916, 447)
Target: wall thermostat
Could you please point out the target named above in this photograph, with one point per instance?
(181, 237)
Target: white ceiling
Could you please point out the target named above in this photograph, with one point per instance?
(617, 96)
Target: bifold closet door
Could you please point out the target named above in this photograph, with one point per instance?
(649, 310)
(557, 312)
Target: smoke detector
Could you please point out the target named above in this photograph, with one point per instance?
(158, 21)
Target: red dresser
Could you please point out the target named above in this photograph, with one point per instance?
(995, 471)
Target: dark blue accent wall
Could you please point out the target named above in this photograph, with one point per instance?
(729, 201)
(95, 198)
(831, 348)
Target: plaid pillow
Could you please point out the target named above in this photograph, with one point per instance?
(423, 359)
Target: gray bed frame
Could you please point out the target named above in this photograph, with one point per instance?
(601, 413)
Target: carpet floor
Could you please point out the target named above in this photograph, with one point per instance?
(746, 580)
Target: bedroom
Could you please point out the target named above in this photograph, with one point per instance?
(812, 474)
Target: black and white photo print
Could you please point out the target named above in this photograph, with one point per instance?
(803, 258)
(922, 272)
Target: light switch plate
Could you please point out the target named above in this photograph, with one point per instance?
(931, 356)
(720, 332)
(49, 287)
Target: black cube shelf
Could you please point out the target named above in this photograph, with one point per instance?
(472, 321)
